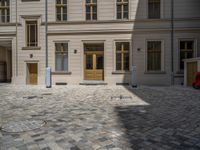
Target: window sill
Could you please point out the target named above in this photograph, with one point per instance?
(31, 48)
(155, 72)
(61, 73)
(121, 72)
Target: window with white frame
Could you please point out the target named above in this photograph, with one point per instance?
(4, 11)
(154, 56)
(154, 9)
(61, 10)
(186, 51)
(91, 9)
(31, 34)
(122, 9)
(122, 56)
(61, 57)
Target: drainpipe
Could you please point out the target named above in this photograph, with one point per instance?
(46, 30)
(16, 13)
(48, 69)
(172, 42)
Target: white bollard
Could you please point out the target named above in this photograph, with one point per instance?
(48, 77)
(134, 76)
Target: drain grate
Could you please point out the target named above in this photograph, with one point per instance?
(32, 97)
(46, 94)
(121, 97)
(22, 126)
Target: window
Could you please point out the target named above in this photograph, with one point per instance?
(31, 34)
(186, 51)
(61, 57)
(61, 10)
(122, 9)
(91, 9)
(154, 55)
(4, 11)
(154, 9)
(122, 56)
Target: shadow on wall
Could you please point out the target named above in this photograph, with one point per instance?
(168, 122)
(137, 55)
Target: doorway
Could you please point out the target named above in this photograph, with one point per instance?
(191, 72)
(32, 73)
(94, 62)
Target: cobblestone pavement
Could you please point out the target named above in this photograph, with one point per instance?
(100, 118)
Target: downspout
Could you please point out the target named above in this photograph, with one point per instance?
(16, 13)
(172, 42)
(46, 30)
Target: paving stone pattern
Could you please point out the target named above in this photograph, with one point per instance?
(101, 118)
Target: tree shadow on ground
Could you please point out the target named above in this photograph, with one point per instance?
(171, 121)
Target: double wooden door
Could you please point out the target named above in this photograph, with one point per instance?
(94, 65)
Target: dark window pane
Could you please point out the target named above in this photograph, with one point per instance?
(94, 1)
(118, 61)
(182, 45)
(58, 47)
(88, 1)
(58, 17)
(190, 45)
(65, 10)
(87, 9)
(88, 17)
(125, 7)
(126, 61)
(126, 46)
(65, 47)
(119, 46)
(154, 9)
(94, 16)
(58, 1)
(99, 62)
(64, 1)
(119, 15)
(154, 56)
(58, 10)
(64, 17)
(94, 9)
(89, 62)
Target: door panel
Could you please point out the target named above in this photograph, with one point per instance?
(32, 74)
(191, 72)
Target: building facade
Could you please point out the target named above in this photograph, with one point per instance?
(98, 40)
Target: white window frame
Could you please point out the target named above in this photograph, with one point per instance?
(9, 14)
(161, 10)
(26, 44)
(129, 10)
(61, 16)
(195, 50)
(162, 55)
(90, 16)
(62, 41)
(114, 54)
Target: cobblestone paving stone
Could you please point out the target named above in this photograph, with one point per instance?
(95, 118)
